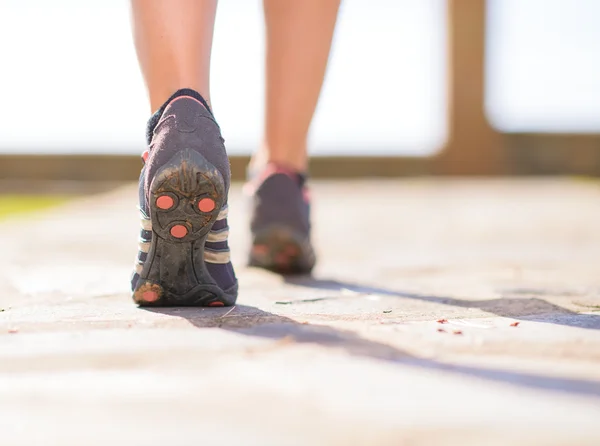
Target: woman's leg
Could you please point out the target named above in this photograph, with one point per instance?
(184, 255)
(173, 39)
(299, 35)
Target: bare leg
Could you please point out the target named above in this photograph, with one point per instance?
(184, 257)
(173, 39)
(299, 34)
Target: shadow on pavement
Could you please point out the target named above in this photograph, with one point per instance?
(522, 308)
(252, 321)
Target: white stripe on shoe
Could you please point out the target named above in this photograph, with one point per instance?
(138, 268)
(220, 257)
(218, 236)
(145, 221)
(223, 213)
(223, 256)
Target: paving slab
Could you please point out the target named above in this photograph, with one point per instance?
(451, 312)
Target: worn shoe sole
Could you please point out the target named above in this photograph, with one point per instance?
(282, 250)
(185, 199)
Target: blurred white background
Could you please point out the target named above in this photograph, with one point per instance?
(543, 68)
(70, 83)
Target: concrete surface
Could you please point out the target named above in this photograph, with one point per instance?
(353, 356)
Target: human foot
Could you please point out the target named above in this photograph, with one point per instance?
(184, 256)
(280, 224)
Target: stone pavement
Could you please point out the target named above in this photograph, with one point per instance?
(353, 356)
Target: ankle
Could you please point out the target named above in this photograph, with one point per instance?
(294, 160)
(155, 118)
(159, 98)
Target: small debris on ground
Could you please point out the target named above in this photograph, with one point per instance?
(387, 311)
(286, 340)
(441, 330)
(457, 332)
(13, 330)
(442, 321)
(289, 302)
(228, 313)
(515, 324)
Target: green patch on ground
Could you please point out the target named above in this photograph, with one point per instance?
(21, 204)
(588, 307)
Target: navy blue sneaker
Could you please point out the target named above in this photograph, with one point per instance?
(280, 222)
(184, 257)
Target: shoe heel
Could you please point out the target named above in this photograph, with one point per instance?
(186, 197)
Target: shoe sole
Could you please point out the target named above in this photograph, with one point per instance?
(185, 198)
(282, 250)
